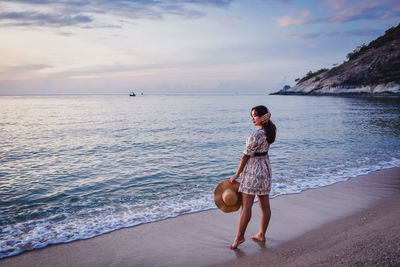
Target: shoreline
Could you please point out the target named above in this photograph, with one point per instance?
(202, 238)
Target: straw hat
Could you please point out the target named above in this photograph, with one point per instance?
(227, 196)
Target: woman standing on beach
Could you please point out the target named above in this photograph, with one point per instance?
(255, 175)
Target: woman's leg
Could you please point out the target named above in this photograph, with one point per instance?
(245, 215)
(265, 217)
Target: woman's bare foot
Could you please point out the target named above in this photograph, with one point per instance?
(258, 237)
(237, 242)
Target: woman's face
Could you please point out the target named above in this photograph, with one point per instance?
(255, 118)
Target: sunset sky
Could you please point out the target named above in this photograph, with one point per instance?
(178, 46)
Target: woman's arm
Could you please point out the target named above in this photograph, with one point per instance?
(265, 118)
(243, 162)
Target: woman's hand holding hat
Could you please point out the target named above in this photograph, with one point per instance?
(233, 178)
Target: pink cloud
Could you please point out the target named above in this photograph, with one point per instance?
(345, 11)
(290, 21)
(306, 13)
(337, 4)
(362, 10)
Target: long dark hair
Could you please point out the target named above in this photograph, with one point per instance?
(269, 127)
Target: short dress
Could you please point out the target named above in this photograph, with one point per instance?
(256, 176)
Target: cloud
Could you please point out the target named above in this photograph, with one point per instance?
(221, 3)
(83, 12)
(291, 21)
(21, 72)
(233, 18)
(31, 18)
(361, 12)
(295, 21)
(305, 13)
(337, 4)
(357, 32)
(301, 35)
(344, 11)
(31, 67)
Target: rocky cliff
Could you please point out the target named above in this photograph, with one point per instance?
(373, 70)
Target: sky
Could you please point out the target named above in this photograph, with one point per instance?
(178, 46)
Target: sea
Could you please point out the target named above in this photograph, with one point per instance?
(75, 167)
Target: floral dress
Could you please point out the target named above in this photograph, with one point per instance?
(256, 176)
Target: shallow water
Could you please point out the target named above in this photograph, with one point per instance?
(73, 167)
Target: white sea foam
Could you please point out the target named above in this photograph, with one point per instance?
(39, 233)
(329, 177)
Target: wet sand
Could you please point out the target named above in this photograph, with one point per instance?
(368, 238)
(336, 224)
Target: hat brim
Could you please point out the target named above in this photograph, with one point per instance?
(218, 196)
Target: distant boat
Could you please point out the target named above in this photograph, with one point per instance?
(132, 94)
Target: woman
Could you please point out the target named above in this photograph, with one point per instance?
(255, 172)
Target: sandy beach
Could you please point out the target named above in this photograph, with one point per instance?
(347, 223)
(368, 238)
